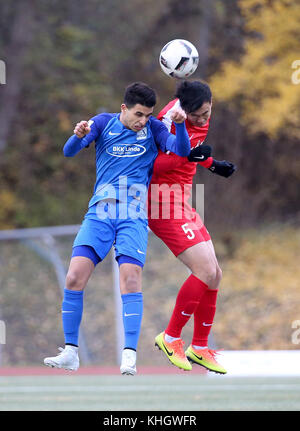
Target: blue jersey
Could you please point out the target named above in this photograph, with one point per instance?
(125, 158)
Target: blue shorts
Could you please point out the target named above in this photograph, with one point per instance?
(129, 236)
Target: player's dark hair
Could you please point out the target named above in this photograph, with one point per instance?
(141, 93)
(192, 95)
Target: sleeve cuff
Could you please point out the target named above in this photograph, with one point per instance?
(207, 163)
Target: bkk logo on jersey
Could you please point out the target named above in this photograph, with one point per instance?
(126, 150)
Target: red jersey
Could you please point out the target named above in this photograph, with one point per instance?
(170, 216)
(171, 169)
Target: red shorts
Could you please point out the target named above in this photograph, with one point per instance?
(180, 234)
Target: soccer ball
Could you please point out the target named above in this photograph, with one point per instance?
(179, 58)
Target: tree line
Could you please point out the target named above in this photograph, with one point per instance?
(67, 61)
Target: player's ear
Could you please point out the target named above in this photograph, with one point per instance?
(123, 107)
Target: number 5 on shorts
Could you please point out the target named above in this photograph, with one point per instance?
(188, 231)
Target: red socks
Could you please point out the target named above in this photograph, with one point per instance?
(190, 294)
(194, 297)
(204, 317)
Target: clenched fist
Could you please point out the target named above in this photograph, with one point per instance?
(81, 129)
(178, 115)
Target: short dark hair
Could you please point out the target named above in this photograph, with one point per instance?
(192, 95)
(141, 93)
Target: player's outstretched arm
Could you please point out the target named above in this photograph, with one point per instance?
(84, 134)
(202, 155)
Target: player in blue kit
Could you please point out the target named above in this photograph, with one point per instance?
(126, 145)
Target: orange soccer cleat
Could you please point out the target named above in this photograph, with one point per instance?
(205, 358)
(174, 351)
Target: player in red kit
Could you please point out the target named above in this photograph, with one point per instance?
(180, 227)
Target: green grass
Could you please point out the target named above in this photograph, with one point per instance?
(149, 393)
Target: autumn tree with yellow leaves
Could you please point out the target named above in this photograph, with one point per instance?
(265, 82)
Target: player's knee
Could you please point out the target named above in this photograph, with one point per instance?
(131, 281)
(211, 275)
(73, 281)
(132, 284)
(215, 278)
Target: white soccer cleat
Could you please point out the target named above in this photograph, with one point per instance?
(67, 359)
(128, 365)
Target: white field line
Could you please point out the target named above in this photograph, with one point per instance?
(142, 388)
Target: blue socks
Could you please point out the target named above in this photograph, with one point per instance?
(72, 308)
(132, 318)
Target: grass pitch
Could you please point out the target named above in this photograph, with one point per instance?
(149, 393)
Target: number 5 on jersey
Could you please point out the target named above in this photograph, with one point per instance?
(188, 231)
